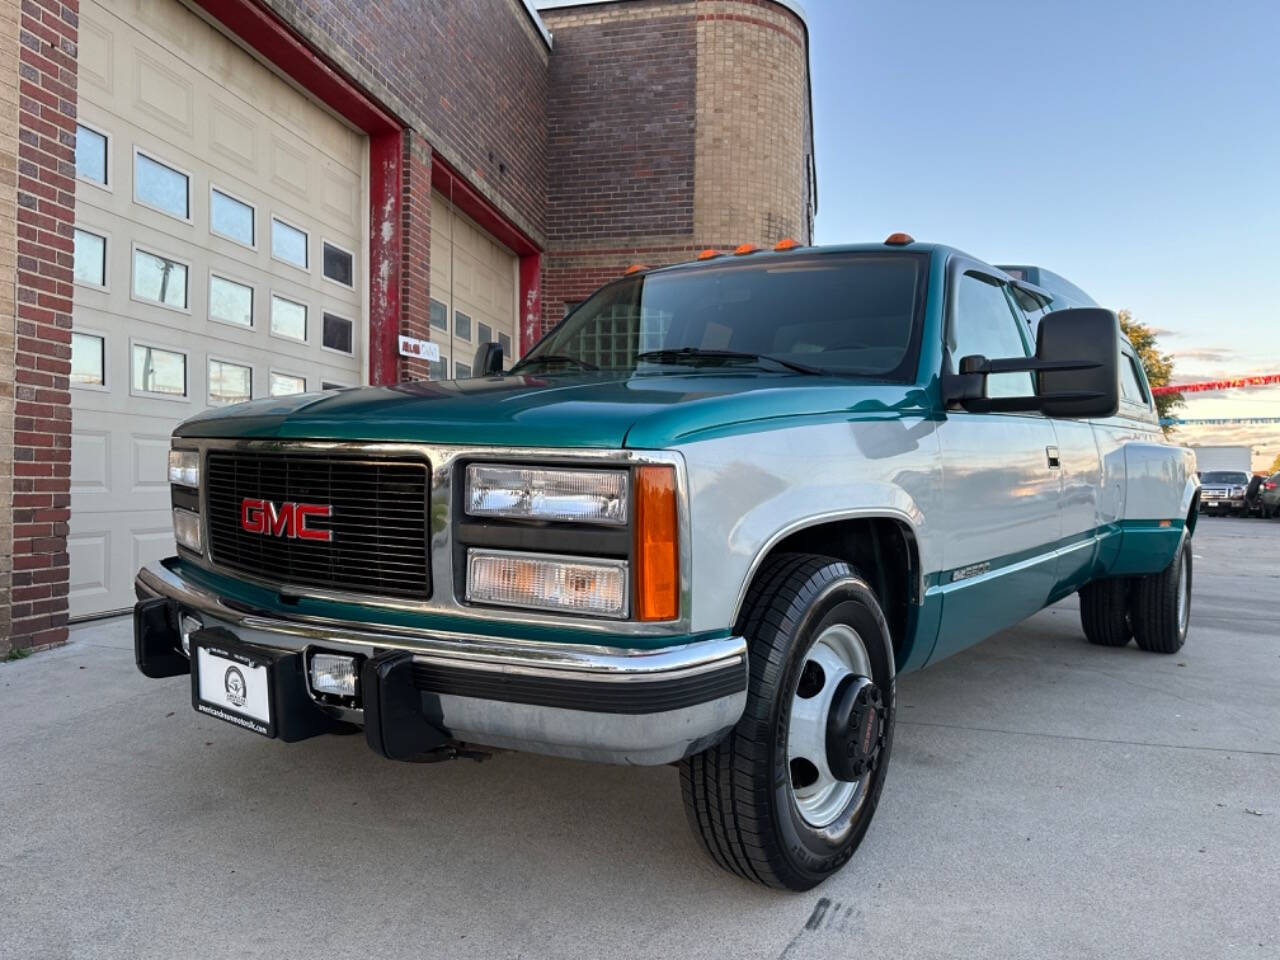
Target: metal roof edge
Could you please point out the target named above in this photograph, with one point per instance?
(531, 8)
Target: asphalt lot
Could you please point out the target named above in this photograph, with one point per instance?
(1047, 799)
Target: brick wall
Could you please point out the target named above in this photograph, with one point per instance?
(41, 444)
(674, 126)
(469, 76)
(752, 121)
(9, 29)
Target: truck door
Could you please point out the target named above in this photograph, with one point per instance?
(1000, 480)
(1080, 471)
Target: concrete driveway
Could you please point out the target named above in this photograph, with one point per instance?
(1047, 799)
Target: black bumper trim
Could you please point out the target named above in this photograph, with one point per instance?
(622, 697)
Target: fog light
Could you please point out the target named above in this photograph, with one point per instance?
(187, 625)
(334, 674)
(186, 529)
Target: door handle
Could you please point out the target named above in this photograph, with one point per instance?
(1052, 454)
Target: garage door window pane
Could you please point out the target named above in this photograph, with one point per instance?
(439, 316)
(87, 353)
(90, 259)
(461, 370)
(230, 302)
(339, 265)
(486, 333)
(288, 319)
(161, 186)
(437, 369)
(283, 384)
(159, 279)
(91, 155)
(337, 333)
(231, 218)
(159, 371)
(288, 243)
(229, 382)
(461, 325)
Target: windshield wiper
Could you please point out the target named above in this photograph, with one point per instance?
(697, 353)
(553, 358)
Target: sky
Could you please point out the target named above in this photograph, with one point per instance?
(1132, 146)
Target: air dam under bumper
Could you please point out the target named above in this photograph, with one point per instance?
(588, 702)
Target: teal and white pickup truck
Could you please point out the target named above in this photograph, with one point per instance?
(707, 520)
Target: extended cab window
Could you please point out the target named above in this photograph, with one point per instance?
(1131, 381)
(984, 324)
(854, 314)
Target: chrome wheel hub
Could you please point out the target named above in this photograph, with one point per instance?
(834, 665)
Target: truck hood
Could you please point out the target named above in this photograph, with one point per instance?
(587, 410)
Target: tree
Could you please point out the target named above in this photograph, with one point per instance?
(1158, 366)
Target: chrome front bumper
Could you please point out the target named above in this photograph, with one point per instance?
(589, 702)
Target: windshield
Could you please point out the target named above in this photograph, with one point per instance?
(1224, 476)
(852, 314)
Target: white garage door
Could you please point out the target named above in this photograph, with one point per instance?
(218, 257)
(474, 283)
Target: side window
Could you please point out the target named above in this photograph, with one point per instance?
(1131, 385)
(984, 323)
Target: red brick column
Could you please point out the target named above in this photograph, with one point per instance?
(42, 356)
(415, 270)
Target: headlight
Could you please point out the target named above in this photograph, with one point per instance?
(543, 582)
(184, 467)
(527, 493)
(186, 529)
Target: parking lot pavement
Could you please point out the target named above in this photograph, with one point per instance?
(1047, 799)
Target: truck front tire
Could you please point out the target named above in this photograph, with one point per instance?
(787, 796)
(1160, 608)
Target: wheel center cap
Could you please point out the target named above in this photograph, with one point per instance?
(855, 728)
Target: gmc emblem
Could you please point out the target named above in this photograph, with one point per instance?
(286, 520)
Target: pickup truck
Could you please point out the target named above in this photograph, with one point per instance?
(1225, 491)
(707, 520)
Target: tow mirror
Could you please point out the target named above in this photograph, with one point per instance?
(1077, 368)
(488, 360)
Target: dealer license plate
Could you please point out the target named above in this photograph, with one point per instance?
(234, 684)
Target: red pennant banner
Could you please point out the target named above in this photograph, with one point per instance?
(1232, 384)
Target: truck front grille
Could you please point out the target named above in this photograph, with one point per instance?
(378, 522)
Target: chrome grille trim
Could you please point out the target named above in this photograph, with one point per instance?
(442, 460)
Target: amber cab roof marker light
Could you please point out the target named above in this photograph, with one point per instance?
(786, 243)
(744, 248)
(708, 254)
(635, 268)
(898, 239)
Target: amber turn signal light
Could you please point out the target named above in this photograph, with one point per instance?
(899, 239)
(708, 253)
(743, 248)
(635, 268)
(657, 548)
(786, 243)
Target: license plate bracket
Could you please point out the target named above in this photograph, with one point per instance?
(234, 681)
